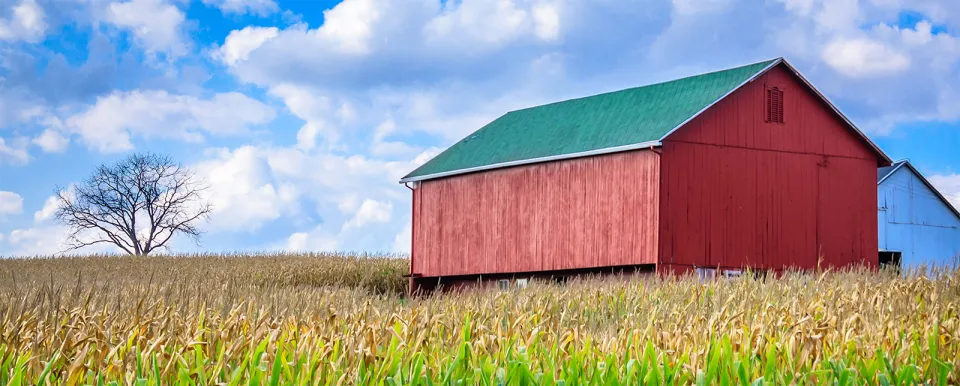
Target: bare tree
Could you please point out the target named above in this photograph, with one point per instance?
(137, 204)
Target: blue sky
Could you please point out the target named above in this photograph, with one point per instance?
(303, 115)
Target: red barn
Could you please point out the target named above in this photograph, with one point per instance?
(746, 167)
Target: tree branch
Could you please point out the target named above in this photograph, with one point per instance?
(138, 205)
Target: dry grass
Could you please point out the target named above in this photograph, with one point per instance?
(298, 320)
(381, 273)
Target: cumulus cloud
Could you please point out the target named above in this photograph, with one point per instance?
(333, 200)
(403, 241)
(861, 58)
(241, 7)
(490, 24)
(699, 6)
(43, 240)
(43, 237)
(348, 26)
(383, 146)
(363, 41)
(310, 241)
(371, 211)
(48, 210)
(239, 43)
(546, 21)
(109, 124)
(949, 186)
(314, 108)
(25, 22)
(46, 239)
(52, 141)
(243, 193)
(13, 153)
(156, 26)
(10, 203)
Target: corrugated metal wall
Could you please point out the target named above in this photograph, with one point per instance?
(580, 213)
(738, 191)
(914, 221)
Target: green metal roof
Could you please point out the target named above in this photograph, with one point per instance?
(607, 122)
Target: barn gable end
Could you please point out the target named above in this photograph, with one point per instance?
(810, 125)
(741, 191)
(915, 220)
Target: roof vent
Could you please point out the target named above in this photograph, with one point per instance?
(774, 105)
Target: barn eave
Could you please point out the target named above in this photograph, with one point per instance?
(616, 149)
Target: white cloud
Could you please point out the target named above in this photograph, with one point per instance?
(949, 185)
(801, 7)
(243, 193)
(361, 40)
(699, 6)
(52, 141)
(426, 155)
(370, 212)
(13, 153)
(42, 240)
(479, 22)
(155, 24)
(46, 239)
(10, 203)
(862, 57)
(312, 107)
(48, 210)
(546, 19)
(381, 146)
(311, 241)
(403, 242)
(838, 15)
(331, 200)
(239, 43)
(240, 7)
(349, 25)
(26, 22)
(110, 123)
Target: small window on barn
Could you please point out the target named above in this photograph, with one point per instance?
(521, 283)
(774, 105)
(503, 285)
(705, 274)
(728, 273)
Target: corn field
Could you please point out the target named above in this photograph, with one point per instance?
(317, 320)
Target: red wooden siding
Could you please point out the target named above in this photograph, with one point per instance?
(738, 191)
(579, 213)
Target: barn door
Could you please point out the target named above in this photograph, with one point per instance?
(840, 218)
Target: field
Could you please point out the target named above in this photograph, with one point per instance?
(340, 319)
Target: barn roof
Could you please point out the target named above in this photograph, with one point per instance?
(883, 172)
(617, 121)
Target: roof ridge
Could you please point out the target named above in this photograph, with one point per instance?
(652, 84)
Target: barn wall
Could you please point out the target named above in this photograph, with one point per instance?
(741, 192)
(580, 213)
(913, 220)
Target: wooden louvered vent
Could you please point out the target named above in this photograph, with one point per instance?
(774, 105)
